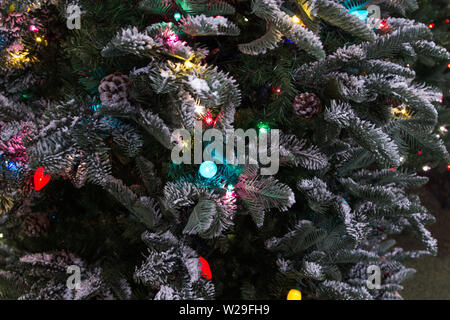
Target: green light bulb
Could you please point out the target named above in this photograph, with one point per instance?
(177, 16)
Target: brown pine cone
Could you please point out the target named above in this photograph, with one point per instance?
(36, 224)
(307, 105)
(113, 88)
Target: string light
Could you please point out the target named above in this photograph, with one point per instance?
(426, 168)
(420, 152)
(263, 127)
(188, 64)
(38, 39)
(208, 169)
(177, 16)
(199, 109)
(1, 235)
(443, 129)
(19, 58)
(208, 118)
(230, 193)
(186, 145)
(245, 19)
(34, 28)
(431, 25)
(402, 111)
(448, 167)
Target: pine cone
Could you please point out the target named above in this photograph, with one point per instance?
(36, 224)
(113, 88)
(307, 105)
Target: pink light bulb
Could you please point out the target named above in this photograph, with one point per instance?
(34, 28)
(172, 38)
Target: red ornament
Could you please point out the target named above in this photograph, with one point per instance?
(205, 269)
(40, 179)
(385, 28)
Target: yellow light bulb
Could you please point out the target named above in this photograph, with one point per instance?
(295, 19)
(188, 64)
(294, 294)
(38, 39)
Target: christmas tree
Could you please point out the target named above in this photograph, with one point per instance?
(99, 101)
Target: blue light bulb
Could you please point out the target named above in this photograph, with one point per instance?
(208, 169)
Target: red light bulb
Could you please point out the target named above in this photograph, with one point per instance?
(431, 25)
(40, 179)
(208, 118)
(204, 268)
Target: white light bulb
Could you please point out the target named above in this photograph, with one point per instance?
(426, 168)
(199, 109)
(443, 129)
